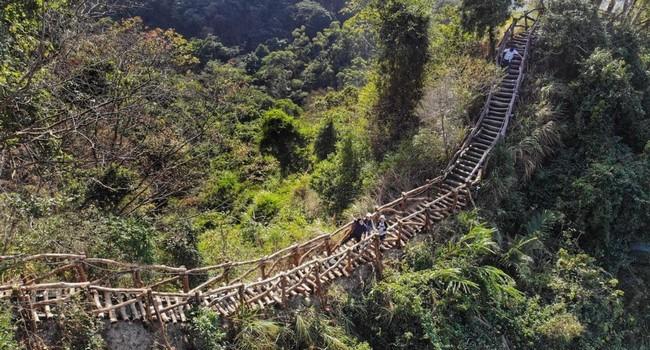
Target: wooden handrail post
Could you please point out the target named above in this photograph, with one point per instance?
(25, 302)
(348, 261)
(402, 204)
(296, 256)
(82, 276)
(455, 208)
(148, 304)
(241, 290)
(137, 279)
(378, 257)
(526, 22)
(469, 195)
(198, 295)
(283, 289)
(427, 218)
(226, 273)
(328, 245)
(263, 273)
(319, 283)
(163, 329)
(186, 280)
(400, 227)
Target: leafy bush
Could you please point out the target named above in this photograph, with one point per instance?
(562, 329)
(288, 107)
(205, 330)
(115, 183)
(80, 329)
(338, 180)
(7, 330)
(266, 206)
(325, 143)
(404, 37)
(570, 31)
(221, 191)
(282, 138)
(127, 239)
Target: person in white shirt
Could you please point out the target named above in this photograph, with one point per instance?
(508, 55)
(382, 227)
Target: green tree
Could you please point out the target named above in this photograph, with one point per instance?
(7, 329)
(570, 30)
(338, 180)
(282, 138)
(404, 54)
(312, 15)
(483, 16)
(210, 48)
(325, 143)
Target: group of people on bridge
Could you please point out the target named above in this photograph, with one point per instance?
(362, 227)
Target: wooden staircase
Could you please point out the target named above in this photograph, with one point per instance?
(162, 294)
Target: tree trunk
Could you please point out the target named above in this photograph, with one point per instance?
(611, 5)
(492, 44)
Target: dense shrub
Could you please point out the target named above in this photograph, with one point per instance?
(325, 143)
(338, 180)
(205, 330)
(221, 191)
(127, 239)
(7, 329)
(282, 138)
(114, 183)
(80, 330)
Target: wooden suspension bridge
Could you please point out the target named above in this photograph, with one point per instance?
(162, 294)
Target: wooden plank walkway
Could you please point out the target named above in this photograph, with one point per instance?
(162, 293)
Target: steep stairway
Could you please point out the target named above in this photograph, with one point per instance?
(301, 270)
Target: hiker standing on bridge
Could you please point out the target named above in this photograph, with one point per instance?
(368, 224)
(382, 227)
(356, 232)
(509, 54)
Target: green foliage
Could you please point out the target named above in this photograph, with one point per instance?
(591, 295)
(114, 184)
(338, 179)
(246, 24)
(325, 143)
(482, 16)
(288, 107)
(127, 239)
(7, 329)
(404, 54)
(210, 48)
(282, 138)
(562, 329)
(80, 329)
(205, 330)
(310, 329)
(221, 192)
(609, 103)
(570, 30)
(265, 206)
(180, 243)
(312, 15)
(254, 333)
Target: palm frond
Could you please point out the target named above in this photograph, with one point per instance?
(498, 283)
(540, 144)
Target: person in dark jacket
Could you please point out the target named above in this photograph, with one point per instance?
(369, 226)
(357, 231)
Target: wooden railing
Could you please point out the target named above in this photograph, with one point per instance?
(523, 23)
(156, 293)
